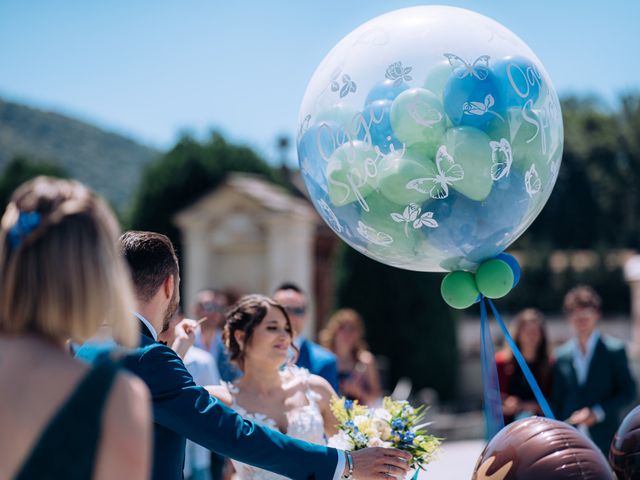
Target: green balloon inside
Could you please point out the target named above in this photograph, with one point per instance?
(403, 238)
(343, 115)
(396, 170)
(437, 77)
(417, 116)
(459, 290)
(351, 173)
(469, 148)
(494, 278)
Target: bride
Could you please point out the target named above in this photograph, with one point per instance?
(258, 335)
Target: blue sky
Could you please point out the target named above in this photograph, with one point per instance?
(154, 69)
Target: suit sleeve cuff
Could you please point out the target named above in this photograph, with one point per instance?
(340, 467)
(598, 412)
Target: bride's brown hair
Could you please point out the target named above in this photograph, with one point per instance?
(247, 313)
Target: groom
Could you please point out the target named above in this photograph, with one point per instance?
(183, 410)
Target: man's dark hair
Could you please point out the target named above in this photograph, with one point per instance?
(151, 259)
(290, 286)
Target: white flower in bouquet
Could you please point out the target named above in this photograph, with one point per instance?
(382, 414)
(363, 422)
(342, 441)
(376, 442)
(383, 428)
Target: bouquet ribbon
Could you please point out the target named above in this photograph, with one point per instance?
(494, 419)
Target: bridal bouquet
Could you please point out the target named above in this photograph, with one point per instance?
(394, 425)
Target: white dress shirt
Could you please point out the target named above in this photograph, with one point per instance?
(154, 334)
(581, 363)
(202, 367)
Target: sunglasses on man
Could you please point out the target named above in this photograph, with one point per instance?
(297, 311)
(212, 307)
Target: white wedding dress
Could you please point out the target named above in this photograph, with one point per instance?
(304, 423)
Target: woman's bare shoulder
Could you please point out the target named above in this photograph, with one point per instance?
(126, 440)
(321, 386)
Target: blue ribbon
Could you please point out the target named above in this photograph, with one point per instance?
(493, 417)
(546, 410)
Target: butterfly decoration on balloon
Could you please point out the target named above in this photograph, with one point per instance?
(429, 139)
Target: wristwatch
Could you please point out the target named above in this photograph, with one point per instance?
(348, 476)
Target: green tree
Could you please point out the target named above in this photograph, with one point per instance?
(189, 170)
(19, 170)
(596, 198)
(406, 320)
(594, 206)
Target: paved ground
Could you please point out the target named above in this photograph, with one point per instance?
(455, 462)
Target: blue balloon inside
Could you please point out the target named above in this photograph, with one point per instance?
(520, 81)
(342, 220)
(377, 118)
(386, 90)
(478, 231)
(473, 97)
(316, 147)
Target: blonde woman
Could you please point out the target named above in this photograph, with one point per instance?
(357, 369)
(61, 277)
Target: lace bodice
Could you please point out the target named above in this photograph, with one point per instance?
(304, 423)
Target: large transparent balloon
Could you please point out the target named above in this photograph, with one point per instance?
(430, 138)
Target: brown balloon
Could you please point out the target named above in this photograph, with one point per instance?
(624, 454)
(537, 448)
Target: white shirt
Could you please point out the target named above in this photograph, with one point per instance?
(154, 334)
(213, 349)
(581, 363)
(202, 367)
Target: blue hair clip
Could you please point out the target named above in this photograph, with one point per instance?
(27, 223)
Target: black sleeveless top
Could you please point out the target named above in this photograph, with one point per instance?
(67, 446)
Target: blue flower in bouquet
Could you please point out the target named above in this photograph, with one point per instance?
(408, 438)
(398, 424)
(360, 438)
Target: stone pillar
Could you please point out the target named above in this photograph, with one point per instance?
(632, 276)
(289, 257)
(196, 262)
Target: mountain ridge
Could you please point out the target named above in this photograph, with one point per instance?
(110, 163)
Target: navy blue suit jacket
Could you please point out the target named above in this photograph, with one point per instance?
(183, 410)
(319, 361)
(609, 384)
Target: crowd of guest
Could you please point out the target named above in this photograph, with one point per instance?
(70, 285)
(268, 384)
